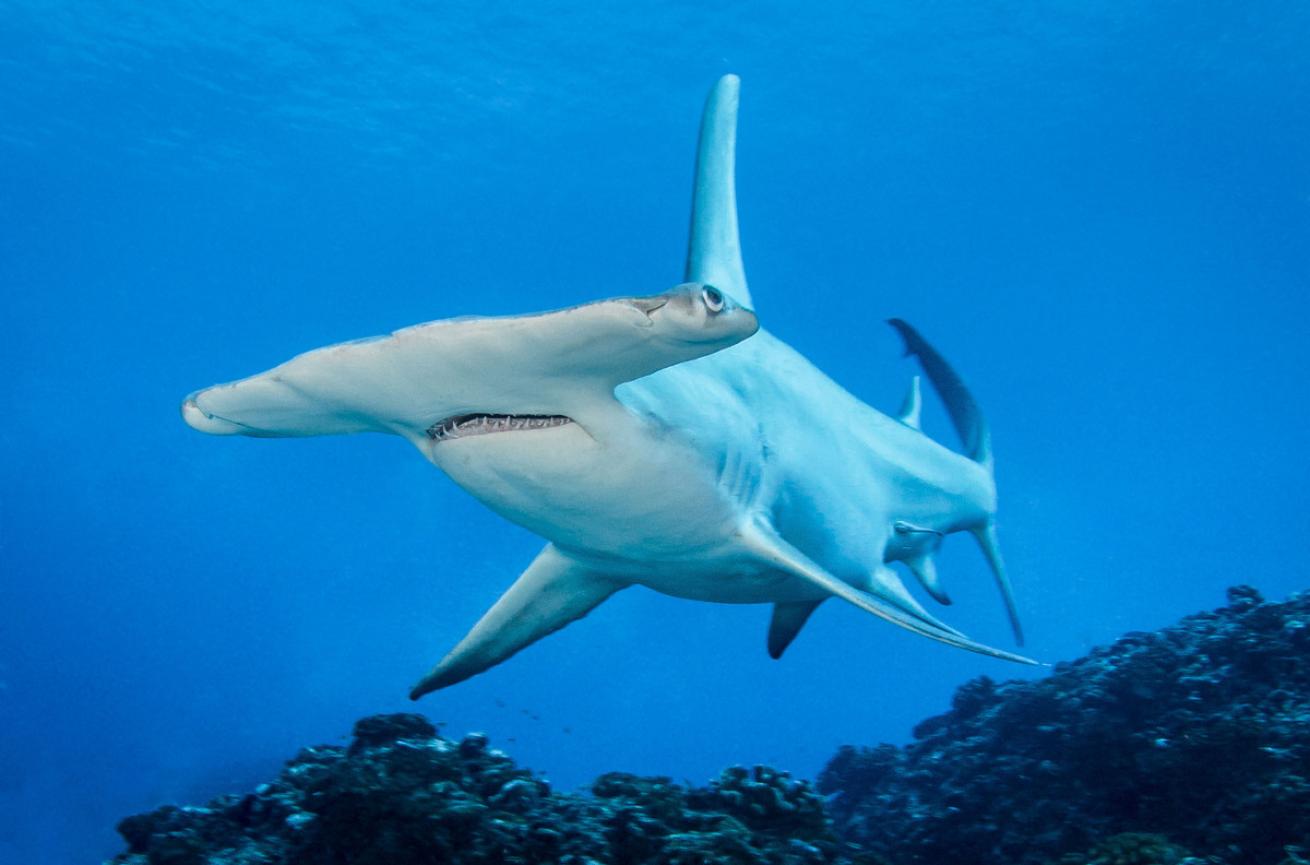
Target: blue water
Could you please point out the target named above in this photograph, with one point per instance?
(1100, 213)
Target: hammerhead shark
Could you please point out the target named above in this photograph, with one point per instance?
(662, 440)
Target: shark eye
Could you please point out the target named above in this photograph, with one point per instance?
(713, 298)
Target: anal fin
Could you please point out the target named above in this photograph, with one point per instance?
(925, 569)
(788, 619)
(552, 592)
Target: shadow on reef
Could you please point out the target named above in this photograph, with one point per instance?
(1196, 735)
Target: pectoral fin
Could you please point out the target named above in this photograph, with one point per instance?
(773, 550)
(552, 592)
(787, 621)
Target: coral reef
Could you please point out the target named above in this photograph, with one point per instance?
(402, 794)
(1132, 848)
(1199, 732)
(1188, 746)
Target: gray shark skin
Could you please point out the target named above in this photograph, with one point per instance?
(661, 440)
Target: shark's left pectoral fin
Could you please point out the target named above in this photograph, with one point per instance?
(772, 549)
(552, 592)
(787, 621)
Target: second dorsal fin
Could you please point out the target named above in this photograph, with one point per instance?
(912, 405)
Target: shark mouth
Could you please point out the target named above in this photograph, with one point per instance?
(465, 425)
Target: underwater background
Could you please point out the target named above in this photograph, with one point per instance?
(1099, 212)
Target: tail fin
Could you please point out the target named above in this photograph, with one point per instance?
(991, 550)
(964, 412)
(968, 421)
(714, 249)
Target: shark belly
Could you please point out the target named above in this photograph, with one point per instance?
(659, 488)
(792, 447)
(625, 502)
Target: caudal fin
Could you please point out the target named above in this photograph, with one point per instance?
(976, 440)
(965, 415)
(991, 550)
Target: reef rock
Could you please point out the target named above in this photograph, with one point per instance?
(401, 794)
(1186, 746)
(1196, 736)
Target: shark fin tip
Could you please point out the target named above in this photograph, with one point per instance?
(902, 328)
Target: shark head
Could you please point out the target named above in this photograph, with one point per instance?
(686, 322)
(697, 318)
(511, 373)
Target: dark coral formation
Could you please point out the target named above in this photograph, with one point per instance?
(400, 794)
(1199, 732)
(1194, 738)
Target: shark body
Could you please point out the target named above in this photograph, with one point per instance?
(663, 441)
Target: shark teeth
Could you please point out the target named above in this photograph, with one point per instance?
(464, 425)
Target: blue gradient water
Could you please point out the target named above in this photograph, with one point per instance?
(1100, 213)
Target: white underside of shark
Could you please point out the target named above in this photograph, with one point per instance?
(662, 441)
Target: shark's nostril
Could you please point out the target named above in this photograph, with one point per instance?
(192, 414)
(199, 419)
(649, 304)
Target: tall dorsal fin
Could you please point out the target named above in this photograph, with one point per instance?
(714, 249)
(912, 405)
(960, 405)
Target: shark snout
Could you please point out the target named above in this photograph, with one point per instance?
(197, 418)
